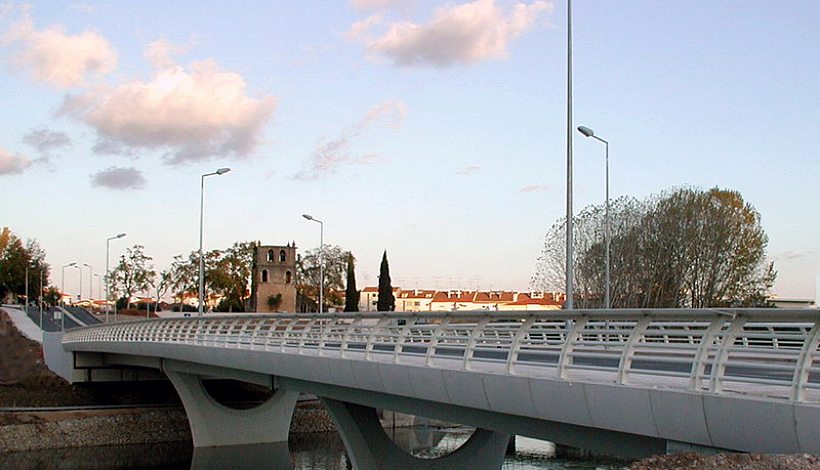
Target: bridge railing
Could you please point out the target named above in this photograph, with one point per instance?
(769, 352)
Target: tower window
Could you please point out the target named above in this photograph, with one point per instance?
(282, 256)
(270, 256)
(265, 275)
(288, 277)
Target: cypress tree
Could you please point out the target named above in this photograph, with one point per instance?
(351, 294)
(387, 303)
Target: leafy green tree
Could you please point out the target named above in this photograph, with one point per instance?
(274, 301)
(133, 273)
(351, 293)
(15, 259)
(386, 302)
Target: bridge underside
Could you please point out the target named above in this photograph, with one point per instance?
(608, 419)
(213, 424)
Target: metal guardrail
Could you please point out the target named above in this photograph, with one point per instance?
(766, 352)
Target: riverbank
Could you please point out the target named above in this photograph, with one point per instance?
(29, 431)
(729, 462)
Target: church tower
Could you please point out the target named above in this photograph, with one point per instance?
(274, 279)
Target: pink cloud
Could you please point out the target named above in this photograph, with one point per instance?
(56, 58)
(462, 34)
(194, 115)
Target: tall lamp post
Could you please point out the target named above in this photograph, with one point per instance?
(108, 274)
(587, 132)
(90, 280)
(218, 172)
(99, 287)
(570, 246)
(80, 268)
(62, 291)
(321, 258)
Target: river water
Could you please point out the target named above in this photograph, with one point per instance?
(323, 451)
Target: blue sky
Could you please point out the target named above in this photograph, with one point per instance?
(434, 130)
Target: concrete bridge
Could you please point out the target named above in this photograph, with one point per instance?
(621, 382)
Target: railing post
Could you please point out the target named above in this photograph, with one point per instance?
(372, 336)
(286, 334)
(702, 354)
(305, 333)
(566, 351)
(325, 332)
(431, 349)
(474, 335)
(804, 363)
(515, 345)
(349, 328)
(719, 367)
(638, 332)
(403, 338)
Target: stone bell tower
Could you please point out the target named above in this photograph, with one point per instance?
(274, 277)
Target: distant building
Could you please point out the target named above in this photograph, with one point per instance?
(274, 277)
(782, 302)
(456, 300)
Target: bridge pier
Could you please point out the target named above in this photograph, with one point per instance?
(370, 448)
(216, 425)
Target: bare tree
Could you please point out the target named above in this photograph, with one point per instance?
(681, 248)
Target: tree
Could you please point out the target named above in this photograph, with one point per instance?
(133, 273)
(15, 259)
(351, 293)
(681, 248)
(307, 274)
(386, 302)
(232, 274)
(274, 301)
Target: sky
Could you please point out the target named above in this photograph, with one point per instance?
(433, 130)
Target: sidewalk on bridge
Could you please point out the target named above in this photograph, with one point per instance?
(23, 323)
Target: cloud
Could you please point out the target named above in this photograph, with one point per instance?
(535, 187)
(329, 155)
(159, 53)
(468, 170)
(462, 34)
(13, 163)
(56, 58)
(45, 141)
(193, 116)
(119, 178)
(378, 4)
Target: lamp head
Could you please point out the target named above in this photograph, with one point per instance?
(586, 131)
(222, 171)
(120, 235)
(307, 216)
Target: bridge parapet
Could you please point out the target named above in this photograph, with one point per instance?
(759, 352)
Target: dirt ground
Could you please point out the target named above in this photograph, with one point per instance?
(729, 462)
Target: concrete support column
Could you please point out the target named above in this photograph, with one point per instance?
(215, 425)
(370, 448)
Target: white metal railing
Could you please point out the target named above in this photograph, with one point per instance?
(766, 352)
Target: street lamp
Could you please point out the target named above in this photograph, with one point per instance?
(587, 132)
(62, 291)
(321, 258)
(90, 281)
(108, 275)
(77, 265)
(99, 286)
(218, 172)
(570, 246)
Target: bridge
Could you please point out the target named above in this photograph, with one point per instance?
(630, 383)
